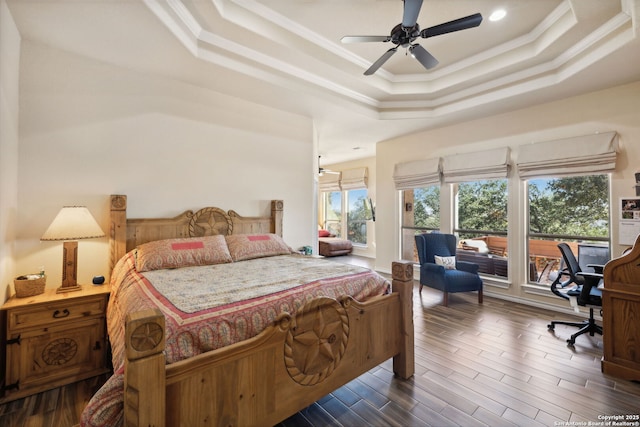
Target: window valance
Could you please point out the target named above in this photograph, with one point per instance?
(581, 155)
(329, 182)
(354, 179)
(489, 164)
(417, 174)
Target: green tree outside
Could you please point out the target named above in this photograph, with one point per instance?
(357, 216)
(576, 206)
(426, 207)
(482, 205)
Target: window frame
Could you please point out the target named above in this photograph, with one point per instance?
(326, 207)
(494, 252)
(547, 271)
(347, 211)
(408, 229)
(344, 215)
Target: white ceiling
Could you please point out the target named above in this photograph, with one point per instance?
(288, 54)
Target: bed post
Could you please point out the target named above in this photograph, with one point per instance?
(144, 368)
(276, 216)
(118, 229)
(402, 284)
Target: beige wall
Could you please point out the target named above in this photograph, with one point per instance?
(9, 109)
(370, 164)
(615, 109)
(89, 129)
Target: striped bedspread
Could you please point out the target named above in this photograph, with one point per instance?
(209, 307)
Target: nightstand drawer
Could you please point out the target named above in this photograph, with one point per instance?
(55, 312)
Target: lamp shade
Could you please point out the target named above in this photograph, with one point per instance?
(73, 223)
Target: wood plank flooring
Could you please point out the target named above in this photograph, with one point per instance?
(476, 365)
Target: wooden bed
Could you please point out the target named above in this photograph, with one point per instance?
(257, 381)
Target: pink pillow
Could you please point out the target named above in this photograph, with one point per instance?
(182, 252)
(248, 246)
(323, 233)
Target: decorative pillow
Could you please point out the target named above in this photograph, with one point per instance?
(324, 233)
(182, 252)
(448, 262)
(248, 246)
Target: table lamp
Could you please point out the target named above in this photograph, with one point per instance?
(71, 224)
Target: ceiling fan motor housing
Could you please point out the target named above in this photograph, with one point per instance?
(402, 36)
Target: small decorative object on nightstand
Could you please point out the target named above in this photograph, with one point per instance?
(71, 224)
(52, 339)
(29, 285)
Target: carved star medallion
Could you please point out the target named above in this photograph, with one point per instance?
(59, 351)
(146, 336)
(316, 344)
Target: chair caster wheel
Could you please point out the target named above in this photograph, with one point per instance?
(571, 343)
(551, 326)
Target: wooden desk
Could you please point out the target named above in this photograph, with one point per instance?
(621, 316)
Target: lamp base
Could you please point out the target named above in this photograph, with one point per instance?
(69, 268)
(63, 289)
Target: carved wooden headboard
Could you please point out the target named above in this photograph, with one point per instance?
(126, 234)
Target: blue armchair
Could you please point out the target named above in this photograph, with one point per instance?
(464, 278)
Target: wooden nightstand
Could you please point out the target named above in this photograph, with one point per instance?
(52, 339)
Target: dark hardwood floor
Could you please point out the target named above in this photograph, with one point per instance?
(493, 364)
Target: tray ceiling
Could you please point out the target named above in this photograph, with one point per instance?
(287, 53)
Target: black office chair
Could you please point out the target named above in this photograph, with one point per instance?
(581, 285)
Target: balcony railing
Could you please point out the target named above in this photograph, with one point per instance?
(545, 259)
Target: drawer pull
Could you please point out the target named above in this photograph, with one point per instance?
(60, 314)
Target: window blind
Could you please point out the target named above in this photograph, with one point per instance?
(590, 154)
(354, 179)
(489, 164)
(329, 182)
(417, 174)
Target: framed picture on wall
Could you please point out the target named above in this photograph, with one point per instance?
(629, 220)
(630, 208)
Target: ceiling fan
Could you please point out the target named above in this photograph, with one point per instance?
(405, 33)
(322, 171)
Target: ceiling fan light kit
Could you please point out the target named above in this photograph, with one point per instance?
(405, 33)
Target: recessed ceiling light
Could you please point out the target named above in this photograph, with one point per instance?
(498, 15)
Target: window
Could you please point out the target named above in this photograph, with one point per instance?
(421, 213)
(357, 216)
(356, 209)
(333, 212)
(573, 206)
(573, 209)
(481, 224)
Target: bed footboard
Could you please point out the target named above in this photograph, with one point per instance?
(266, 379)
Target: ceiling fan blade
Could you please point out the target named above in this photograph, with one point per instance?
(411, 12)
(423, 56)
(322, 171)
(365, 39)
(451, 26)
(374, 67)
